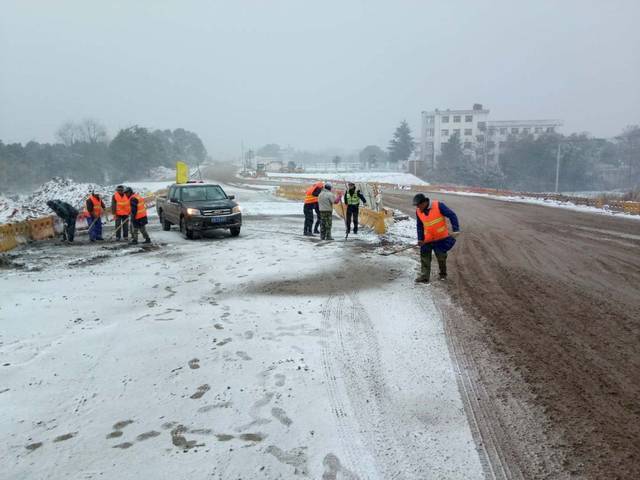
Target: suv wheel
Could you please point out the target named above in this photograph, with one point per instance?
(166, 226)
(188, 234)
(235, 231)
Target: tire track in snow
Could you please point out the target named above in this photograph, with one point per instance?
(365, 410)
(357, 457)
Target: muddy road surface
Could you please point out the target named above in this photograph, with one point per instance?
(546, 318)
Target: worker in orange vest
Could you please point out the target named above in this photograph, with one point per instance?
(121, 209)
(434, 235)
(138, 216)
(311, 205)
(94, 207)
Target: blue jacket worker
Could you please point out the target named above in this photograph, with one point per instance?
(433, 234)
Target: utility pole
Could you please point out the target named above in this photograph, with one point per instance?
(557, 167)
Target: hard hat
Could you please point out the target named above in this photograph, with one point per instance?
(419, 198)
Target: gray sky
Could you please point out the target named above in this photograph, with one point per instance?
(313, 74)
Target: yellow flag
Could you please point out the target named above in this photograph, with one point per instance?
(182, 172)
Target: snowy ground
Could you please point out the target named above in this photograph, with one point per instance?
(265, 356)
(397, 178)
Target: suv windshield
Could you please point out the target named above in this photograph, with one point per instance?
(199, 194)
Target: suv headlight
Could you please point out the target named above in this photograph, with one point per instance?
(236, 209)
(193, 211)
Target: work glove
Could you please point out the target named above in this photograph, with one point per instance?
(455, 234)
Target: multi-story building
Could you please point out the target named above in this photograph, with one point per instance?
(481, 138)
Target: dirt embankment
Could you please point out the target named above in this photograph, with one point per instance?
(547, 312)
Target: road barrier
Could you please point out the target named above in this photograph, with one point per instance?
(13, 234)
(41, 228)
(7, 238)
(377, 221)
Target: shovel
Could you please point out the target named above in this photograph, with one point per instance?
(393, 252)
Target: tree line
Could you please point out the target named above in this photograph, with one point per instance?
(529, 163)
(84, 152)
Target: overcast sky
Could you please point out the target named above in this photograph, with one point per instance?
(313, 74)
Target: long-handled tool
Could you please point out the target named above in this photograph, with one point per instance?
(92, 224)
(122, 224)
(344, 214)
(393, 252)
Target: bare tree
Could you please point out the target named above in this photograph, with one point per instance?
(93, 131)
(68, 133)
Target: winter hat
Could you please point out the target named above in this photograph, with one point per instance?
(327, 185)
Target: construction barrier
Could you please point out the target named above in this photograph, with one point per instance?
(12, 234)
(7, 238)
(292, 192)
(377, 221)
(41, 228)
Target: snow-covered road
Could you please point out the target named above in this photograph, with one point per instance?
(265, 356)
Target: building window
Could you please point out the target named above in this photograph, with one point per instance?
(482, 126)
(503, 131)
(468, 131)
(468, 118)
(456, 119)
(515, 131)
(491, 144)
(492, 130)
(481, 138)
(538, 130)
(549, 129)
(445, 119)
(467, 145)
(445, 133)
(526, 131)
(456, 131)
(430, 132)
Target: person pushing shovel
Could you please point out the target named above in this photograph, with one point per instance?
(121, 209)
(94, 207)
(433, 234)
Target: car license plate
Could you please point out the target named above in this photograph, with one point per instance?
(218, 220)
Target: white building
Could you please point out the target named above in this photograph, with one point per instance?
(481, 138)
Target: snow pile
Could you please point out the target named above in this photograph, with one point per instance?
(35, 205)
(403, 230)
(396, 178)
(8, 209)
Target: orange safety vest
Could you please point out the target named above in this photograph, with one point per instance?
(308, 195)
(97, 207)
(142, 207)
(435, 225)
(123, 205)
